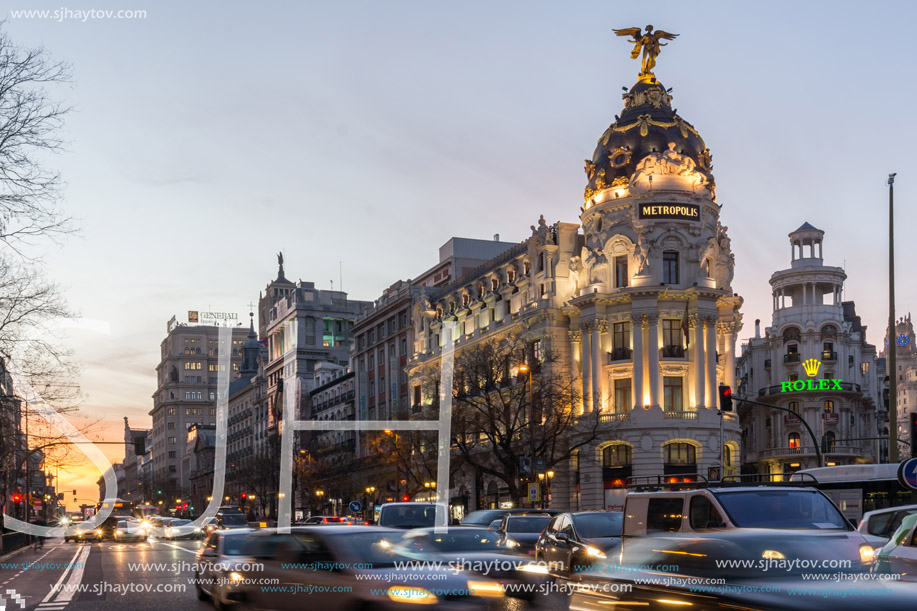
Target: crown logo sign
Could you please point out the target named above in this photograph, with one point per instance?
(811, 366)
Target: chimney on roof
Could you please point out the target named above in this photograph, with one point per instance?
(758, 328)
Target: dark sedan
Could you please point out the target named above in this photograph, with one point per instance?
(519, 532)
(573, 542)
(484, 517)
(477, 550)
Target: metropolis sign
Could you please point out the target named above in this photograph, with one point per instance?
(685, 212)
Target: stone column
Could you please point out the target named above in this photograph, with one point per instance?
(699, 366)
(586, 368)
(576, 338)
(637, 383)
(597, 403)
(729, 347)
(653, 364)
(712, 398)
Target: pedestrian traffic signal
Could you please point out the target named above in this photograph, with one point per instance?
(725, 398)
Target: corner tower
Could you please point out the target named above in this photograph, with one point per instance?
(655, 318)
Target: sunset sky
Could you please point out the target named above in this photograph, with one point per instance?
(209, 136)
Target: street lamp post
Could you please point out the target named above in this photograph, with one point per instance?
(892, 345)
(526, 369)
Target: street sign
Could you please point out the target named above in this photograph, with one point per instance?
(907, 473)
(534, 493)
(541, 465)
(356, 506)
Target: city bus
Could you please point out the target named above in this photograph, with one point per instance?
(857, 489)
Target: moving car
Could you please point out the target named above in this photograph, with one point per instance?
(412, 515)
(157, 526)
(181, 529)
(477, 550)
(899, 555)
(878, 526)
(130, 530)
(353, 567)
(485, 517)
(81, 531)
(230, 519)
(789, 514)
(319, 520)
(221, 554)
(572, 542)
(519, 532)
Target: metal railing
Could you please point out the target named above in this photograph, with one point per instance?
(680, 415)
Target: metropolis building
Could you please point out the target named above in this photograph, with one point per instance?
(813, 360)
(636, 300)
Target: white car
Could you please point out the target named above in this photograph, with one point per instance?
(899, 555)
(878, 526)
(182, 529)
(130, 530)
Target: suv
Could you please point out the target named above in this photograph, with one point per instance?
(878, 526)
(760, 522)
(230, 517)
(412, 515)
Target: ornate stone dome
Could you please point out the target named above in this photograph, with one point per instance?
(648, 127)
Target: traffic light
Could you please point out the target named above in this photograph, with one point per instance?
(405, 498)
(17, 498)
(244, 496)
(913, 419)
(74, 493)
(139, 446)
(725, 398)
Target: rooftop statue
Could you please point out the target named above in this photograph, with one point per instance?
(649, 43)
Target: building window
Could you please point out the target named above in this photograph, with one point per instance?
(192, 365)
(213, 396)
(170, 425)
(672, 393)
(170, 411)
(213, 411)
(623, 401)
(172, 469)
(621, 275)
(670, 267)
(494, 283)
(526, 268)
(172, 441)
(727, 456)
(621, 335)
(536, 351)
(829, 407)
(172, 453)
(511, 275)
(828, 442)
(417, 395)
(672, 338)
(680, 454)
(618, 455)
(794, 406)
(793, 440)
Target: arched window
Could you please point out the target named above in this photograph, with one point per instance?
(680, 454)
(727, 456)
(464, 299)
(494, 283)
(829, 407)
(525, 268)
(794, 405)
(618, 455)
(792, 334)
(793, 440)
(511, 275)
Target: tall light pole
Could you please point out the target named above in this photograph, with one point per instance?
(892, 343)
(526, 369)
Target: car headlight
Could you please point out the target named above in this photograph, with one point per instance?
(770, 554)
(412, 595)
(595, 552)
(510, 543)
(485, 589)
(235, 577)
(867, 553)
(99, 531)
(119, 532)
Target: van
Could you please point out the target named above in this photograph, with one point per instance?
(413, 515)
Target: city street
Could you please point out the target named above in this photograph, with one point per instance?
(103, 573)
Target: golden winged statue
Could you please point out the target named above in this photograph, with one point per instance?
(650, 44)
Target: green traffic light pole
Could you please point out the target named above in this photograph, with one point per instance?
(821, 459)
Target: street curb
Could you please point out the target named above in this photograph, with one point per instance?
(15, 553)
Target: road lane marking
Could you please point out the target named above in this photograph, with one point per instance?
(76, 577)
(63, 575)
(190, 551)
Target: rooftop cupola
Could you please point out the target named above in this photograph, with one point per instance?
(806, 244)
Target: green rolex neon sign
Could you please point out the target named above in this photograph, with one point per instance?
(811, 366)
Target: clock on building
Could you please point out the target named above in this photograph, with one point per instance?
(903, 340)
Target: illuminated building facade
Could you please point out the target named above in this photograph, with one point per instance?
(906, 362)
(813, 360)
(639, 306)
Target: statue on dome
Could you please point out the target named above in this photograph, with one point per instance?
(543, 231)
(649, 43)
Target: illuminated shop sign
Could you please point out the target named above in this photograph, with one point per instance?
(686, 212)
(811, 366)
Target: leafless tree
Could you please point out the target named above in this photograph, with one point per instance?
(492, 424)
